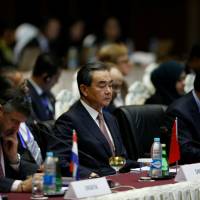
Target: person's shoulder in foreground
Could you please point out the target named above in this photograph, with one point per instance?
(187, 111)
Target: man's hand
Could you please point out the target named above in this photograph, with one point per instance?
(25, 186)
(10, 146)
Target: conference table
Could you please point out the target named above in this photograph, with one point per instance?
(125, 181)
(129, 186)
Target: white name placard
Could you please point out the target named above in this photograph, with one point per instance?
(188, 172)
(87, 188)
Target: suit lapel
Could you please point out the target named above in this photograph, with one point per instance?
(91, 125)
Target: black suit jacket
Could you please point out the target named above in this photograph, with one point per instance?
(39, 111)
(186, 110)
(25, 169)
(94, 150)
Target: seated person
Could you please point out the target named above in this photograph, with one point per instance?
(117, 82)
(45, 74)
(14, 109)
(187, 111)
(28, 138)
(97, 131)
(168, 80)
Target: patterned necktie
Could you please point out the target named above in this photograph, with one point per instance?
(45, 101)
(105, 132)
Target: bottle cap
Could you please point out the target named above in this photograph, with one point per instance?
(156, 139)
(50, 154)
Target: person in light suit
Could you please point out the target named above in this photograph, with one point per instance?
(95, 148)
(187, 111)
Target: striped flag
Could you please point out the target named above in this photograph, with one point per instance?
(74, 164)
(174, 153)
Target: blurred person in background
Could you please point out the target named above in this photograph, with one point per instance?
(49, 35)
(45, 75)
(112, 33)
(7, 39)
(169, 82)
(26, 48)
(117, 82)
(117, 54)
(74, 44)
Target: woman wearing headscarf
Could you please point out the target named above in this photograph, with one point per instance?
(168, 80)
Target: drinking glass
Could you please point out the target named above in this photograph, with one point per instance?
(37, 187)
(117, 162)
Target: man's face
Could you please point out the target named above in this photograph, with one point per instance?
(180, 84)
(10, 121)
(99, 94)
(52, 81)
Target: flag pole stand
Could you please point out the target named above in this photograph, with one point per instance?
(176, 167)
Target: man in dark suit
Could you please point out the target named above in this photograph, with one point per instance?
(14, 109)
(45, 75)
(187, 111)
(97, 131)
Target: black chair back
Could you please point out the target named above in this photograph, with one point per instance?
(139, 124)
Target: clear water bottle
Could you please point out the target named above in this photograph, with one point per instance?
(165, 166)
(49, 181)
(156, 155)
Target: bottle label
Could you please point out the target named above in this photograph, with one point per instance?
(156, 164)
(156, 168)
(49, 180)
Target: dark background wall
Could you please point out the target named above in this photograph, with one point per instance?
(178, 20)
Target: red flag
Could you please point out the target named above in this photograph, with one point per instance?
(174, 153)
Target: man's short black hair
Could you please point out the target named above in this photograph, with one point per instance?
(16, 99)
(47, 63)
(85, 73)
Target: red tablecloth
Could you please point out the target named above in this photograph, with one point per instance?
(132, 179)
(127, 179)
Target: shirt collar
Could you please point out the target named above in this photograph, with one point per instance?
(90, 110)
(196, 99)
(36, 87)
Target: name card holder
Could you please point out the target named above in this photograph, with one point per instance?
(87, 188)
(188, 172)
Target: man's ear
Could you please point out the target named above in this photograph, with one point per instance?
(84, 90)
